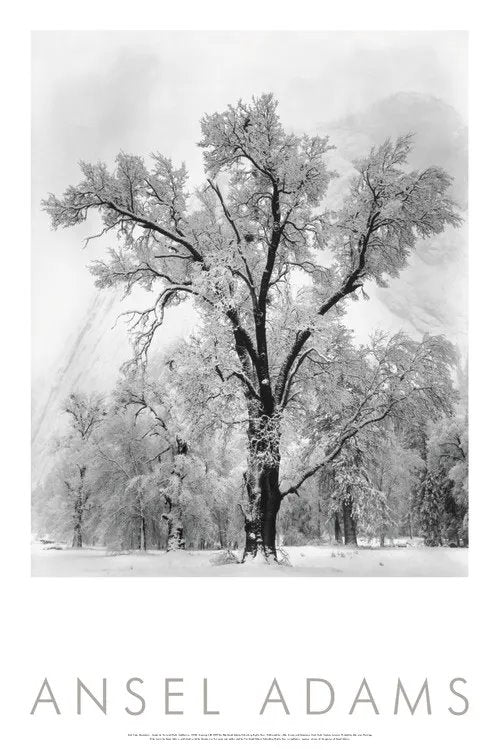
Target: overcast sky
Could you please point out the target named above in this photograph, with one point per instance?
(95, 93)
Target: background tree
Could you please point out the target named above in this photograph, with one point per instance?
(442, 500)
(242, 247)
(378, 485)
(355, 399)
(394, 471)
(127, 484)
(86, 413)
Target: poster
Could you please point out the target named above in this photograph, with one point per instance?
(250, 392)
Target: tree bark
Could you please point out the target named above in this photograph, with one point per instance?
(142, 541)
(77, 534)
(264, 500)
(78, 510)
(350, 532)
(318, 524)
(176, 539)
(262, 484)
(222, 537)
(338, 529)
(173, 514)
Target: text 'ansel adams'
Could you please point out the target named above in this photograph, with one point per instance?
(319, 698)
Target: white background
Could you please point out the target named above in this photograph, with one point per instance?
(242, 633)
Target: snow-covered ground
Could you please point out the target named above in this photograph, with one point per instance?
(305, 561)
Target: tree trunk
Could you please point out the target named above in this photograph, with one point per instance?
(175, 527)
(142, 541)
(77, 534)
(350, 535)
(173, 514)
(338, 529)
(260, 520)
(176, 539)
(78, 510)
(262, 484)
(222, 537)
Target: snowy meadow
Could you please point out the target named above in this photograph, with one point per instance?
(302, 561)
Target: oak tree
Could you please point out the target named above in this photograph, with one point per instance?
(268, 264)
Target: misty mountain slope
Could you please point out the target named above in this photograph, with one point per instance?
(90, 360)
(430, 296)
(440, 135)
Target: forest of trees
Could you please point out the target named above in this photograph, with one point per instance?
(142, 470)
(269, 425)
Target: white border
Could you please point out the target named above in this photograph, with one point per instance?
(435, 625)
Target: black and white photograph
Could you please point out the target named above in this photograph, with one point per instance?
(249, 304)
(250, 397)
